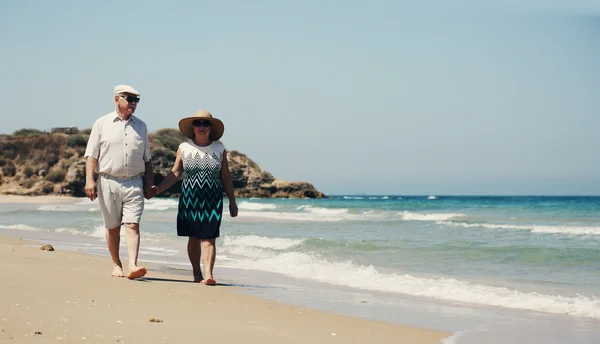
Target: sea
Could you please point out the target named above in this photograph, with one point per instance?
(487, 269)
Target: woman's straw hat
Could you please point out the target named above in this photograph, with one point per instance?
(216, 131)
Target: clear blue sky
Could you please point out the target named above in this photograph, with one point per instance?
(381, 97)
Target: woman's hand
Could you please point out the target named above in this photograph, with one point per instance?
(153, 191)
(233, 209)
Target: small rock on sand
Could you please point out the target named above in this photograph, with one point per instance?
(47, 247)
(155, 320)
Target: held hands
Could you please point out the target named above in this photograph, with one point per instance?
(151, 192)
(233, 209)
(91, 191)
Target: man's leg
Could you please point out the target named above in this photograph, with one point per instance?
(110, 207)
(132, 236)
(209, 252)
(113, 239)
(193, 249)
(133, 206)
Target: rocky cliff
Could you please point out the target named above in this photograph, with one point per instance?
(38, 163)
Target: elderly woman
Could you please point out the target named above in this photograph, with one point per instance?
(203, 162)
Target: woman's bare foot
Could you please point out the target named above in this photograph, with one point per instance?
(209, 281)
(136, 272)
(197, 275)
(117, 271)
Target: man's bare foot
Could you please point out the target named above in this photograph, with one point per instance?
(197, 275)
(209, 281)
(117, 271)
(136, 272)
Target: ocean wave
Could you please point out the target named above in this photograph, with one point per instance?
(346, 273)
(569, 230)
(161, 204)
(262, 242)
(75, 207)
(408, 216)
(317, 214)
(19, 227)
(256, 206)
(326, 211)
(287, 216)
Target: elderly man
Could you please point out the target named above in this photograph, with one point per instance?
(118, 149)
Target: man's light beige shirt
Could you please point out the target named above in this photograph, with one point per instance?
(121, 147)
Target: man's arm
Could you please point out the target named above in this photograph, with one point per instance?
(91, 190)
(92, 152)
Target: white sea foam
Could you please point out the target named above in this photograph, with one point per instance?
(58, 207)
(317, 214)
(287, 216)
(569, 230)
(161, 204)
(318, 210)
(98, 232)
(19, 227)
(262, 242)
(158, 252)
(304, 266)
(408, 216)
(245, 205)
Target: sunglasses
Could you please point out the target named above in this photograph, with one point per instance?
(198, 123)
(131, 99)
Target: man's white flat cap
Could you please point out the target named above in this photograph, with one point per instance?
(120, 89)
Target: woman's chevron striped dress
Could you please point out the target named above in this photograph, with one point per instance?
(201, 198)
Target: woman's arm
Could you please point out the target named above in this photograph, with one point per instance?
(172, 177)
(228, 185)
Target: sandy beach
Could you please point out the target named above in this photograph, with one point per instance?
(65, 296)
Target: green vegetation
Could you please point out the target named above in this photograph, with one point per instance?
(28, 172)
(9, 169)
(28, 183)
(28, 133)
(56, 176)
(77, 141)
(8, 150)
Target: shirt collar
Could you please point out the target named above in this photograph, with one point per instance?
(117, 118)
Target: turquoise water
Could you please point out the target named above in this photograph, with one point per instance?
(538, 254)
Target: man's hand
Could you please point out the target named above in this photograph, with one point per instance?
(233, 209)
(90, 190)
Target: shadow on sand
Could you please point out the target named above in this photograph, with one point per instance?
(157, 279)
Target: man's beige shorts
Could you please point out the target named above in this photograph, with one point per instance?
(121, 201)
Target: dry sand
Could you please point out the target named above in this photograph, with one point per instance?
(68, 297)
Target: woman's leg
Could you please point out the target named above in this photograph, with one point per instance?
(193, 249)
(209, 252)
